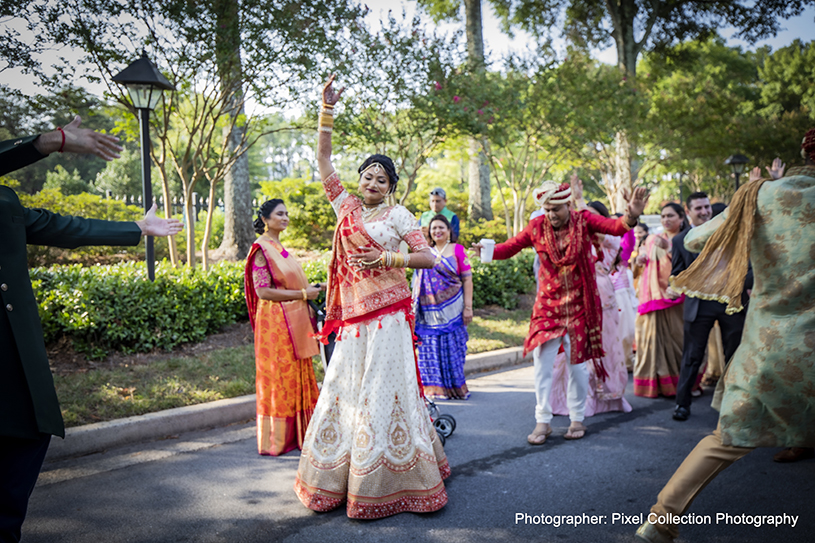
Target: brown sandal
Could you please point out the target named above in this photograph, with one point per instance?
(533, 438)
(570, 433)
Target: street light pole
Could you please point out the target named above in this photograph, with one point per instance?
(145, 84)
(147, 188)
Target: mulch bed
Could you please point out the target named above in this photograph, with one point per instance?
(65, 360)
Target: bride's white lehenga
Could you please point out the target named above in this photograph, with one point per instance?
(370, 441)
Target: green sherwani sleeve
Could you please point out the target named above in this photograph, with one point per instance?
(28, 400)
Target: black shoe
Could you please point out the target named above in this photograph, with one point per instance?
(681, 413)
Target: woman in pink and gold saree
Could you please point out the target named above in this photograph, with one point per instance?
(276, 294)
(659, 325)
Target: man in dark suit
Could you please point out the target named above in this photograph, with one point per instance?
(29, 409)
(700, 315)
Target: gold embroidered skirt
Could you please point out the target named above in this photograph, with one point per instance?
(370, 442)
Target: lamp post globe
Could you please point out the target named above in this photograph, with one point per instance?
(145, 85)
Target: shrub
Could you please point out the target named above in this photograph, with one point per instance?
(105, 308)
(473, 232)
(501, 282)
(317, 268)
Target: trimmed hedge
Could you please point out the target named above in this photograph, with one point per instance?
(115, 308)
(104, 308)
(500, 282)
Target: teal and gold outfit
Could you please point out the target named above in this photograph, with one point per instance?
(769, 396)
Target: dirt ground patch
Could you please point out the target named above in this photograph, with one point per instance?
(65, 360)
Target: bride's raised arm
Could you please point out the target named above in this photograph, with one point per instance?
(326, 126)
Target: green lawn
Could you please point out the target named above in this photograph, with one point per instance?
(111, 393)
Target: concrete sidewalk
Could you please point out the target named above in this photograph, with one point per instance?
(101, 436)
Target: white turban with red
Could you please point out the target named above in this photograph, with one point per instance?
(552, 193)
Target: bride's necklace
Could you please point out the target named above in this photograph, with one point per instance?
(370, 212)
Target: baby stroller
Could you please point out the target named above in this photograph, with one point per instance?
(326, 350)
(445, 425)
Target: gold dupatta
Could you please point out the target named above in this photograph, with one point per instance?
(287, 273)
(718, 273)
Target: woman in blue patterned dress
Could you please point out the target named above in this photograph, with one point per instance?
(443, 303)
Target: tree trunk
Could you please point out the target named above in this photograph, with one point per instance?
(623, 14)
(622, 171)
(189, 214)
(238, 232)
(208, 227)
(168, 213)
(480, 203)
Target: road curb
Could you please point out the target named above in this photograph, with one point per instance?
(101, 436)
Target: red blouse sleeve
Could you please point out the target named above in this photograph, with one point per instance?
(615, 227)
(513, 246)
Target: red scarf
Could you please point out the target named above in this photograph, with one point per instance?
(355, 295)
(579, 253)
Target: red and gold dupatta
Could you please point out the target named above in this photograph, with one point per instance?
(352, 294)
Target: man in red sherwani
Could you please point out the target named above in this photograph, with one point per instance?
(567, 308)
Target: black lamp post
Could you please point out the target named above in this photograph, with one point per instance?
(737, 162)
(145, 84)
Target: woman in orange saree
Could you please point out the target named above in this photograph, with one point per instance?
(276, 294)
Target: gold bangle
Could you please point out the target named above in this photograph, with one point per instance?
(305, 294)
(407, 260)
(326, 121)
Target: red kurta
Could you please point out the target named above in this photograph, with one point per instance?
(560, 306)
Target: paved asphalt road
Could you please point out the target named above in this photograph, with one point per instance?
(213, 487)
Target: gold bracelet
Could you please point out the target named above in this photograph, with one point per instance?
(305, 294)
(378, 260)
(407, 260)
(326, 120)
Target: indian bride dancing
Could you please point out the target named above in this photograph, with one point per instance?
(276, 294)
(370, 442)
